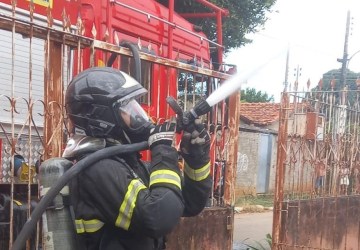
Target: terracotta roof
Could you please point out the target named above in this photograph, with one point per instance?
(260, 114)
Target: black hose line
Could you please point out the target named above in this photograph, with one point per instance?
(45, 201)
(136, 55)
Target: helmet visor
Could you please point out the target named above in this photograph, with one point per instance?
(133, 115)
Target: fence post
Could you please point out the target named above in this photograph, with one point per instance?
(53, 99)
(280, 169)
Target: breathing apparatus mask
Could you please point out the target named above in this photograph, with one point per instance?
(133, 119)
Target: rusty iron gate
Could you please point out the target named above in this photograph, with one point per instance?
(317, 177)
(37, 65)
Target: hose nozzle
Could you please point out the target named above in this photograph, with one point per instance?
(201, 108)
(185, 118)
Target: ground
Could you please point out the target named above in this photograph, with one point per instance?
(253, 221)
(251, 229)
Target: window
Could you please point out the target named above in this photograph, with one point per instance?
(191, 88)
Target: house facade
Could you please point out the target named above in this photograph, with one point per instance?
(256, 166)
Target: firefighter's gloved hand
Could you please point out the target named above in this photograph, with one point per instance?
(164, 169)
(163, 134)
(195, 145)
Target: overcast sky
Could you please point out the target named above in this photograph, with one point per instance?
(314, 30)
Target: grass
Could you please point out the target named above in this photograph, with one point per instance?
(249, 201)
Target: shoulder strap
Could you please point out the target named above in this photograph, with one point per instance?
(119, 159)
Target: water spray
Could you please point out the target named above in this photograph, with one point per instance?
(202, 107)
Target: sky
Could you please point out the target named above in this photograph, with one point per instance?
(313, 31)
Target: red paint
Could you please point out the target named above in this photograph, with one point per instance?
(0, 159)
(133, 20)
(72, 8)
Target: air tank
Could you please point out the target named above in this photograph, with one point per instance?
(58, 232)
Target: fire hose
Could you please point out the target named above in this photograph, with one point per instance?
(64, 179)
(183, 119)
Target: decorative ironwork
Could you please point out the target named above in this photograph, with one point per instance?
(318, 164)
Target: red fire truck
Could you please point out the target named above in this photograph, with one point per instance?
(150, 41)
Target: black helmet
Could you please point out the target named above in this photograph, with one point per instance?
(100, 101)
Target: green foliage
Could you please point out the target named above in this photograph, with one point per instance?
(244, 17)
(263, 200)
(189, 84)
(260, 246)
(191, 88)
(335, 74)
(252, 95)
(331, 82)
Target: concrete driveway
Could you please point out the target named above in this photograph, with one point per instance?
(251, 228)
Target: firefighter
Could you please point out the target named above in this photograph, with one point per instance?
(120, 202)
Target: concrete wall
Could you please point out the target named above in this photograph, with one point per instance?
(273, 126)
(299, 174)
(247, 166)
(248, 163)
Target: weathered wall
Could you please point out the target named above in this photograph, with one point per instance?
(247, 167)
(197, 233)
(273, 126)
(327, 223)
(248, 163)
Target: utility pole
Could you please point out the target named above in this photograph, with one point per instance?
(345, 59)
(297, 74)
(286, 71)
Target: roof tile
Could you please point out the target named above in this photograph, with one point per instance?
(260, 114)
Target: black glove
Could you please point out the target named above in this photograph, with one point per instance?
(163, 134)
(195, 145)
(164, 170)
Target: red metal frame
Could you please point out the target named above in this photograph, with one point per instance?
(1, 158)
(180, 41)
(173, 38)
(219, 12)
(213, 7)
(57, 7)
(170, 29)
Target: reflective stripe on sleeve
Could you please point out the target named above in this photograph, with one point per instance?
(127, 206)
(165, 176)
(88, 226)
(197, 174)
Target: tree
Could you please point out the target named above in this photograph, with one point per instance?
(244, 17)
(332, 84)
(252, 95)
(334, 77)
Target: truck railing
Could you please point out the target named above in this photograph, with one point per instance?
(174, 25)
(75, 40)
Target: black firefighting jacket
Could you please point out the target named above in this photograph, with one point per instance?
(120, 204)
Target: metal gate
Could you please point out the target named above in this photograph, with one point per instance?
(41, 58)
(317, 177)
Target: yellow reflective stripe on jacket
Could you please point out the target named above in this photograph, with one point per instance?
(197, 174)
(165, 176)
(88, 226)
(127, 206)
